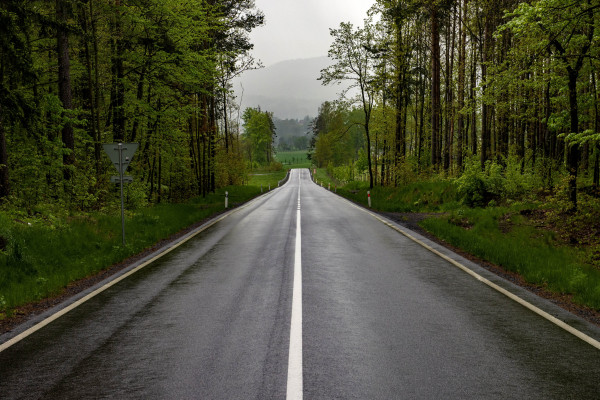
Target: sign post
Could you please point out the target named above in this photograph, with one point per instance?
(121, 154)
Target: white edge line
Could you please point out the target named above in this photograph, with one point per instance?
(14, 340)
(561, 324)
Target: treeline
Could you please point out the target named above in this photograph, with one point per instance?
(440, 84)
(78, 73)
(292, 134)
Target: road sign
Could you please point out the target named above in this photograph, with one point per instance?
(121, 154)
(117, 179)
(114, 149)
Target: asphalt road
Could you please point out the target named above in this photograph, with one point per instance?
(380, 317)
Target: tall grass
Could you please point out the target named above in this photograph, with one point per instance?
(424, 196)
(39, 259)
(266, 178)
(528, 251)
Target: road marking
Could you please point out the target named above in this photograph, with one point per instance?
(500, 289)
(294, 379)
(60, 313)
(561, 324)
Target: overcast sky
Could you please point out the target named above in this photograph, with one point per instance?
(300, 28)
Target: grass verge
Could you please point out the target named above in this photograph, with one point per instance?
(504, 237)
(39, 259)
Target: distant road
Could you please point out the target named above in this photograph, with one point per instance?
(375, 316)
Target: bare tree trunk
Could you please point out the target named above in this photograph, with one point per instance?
(435, 88)
(4, 172)
(64, 86)
(596, 181)
(461, 88)
(118, 74)
(484, 155)
(90, 87)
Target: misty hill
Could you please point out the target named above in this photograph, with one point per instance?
(289, 89)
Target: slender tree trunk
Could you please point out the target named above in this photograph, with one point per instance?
(573, 148)
(399, 98)
(484, 155)
(98, 138)
(435, 88)
(118, 74)
(473, 85)
(449, 95)
(90, 88)
(139, 97)
(461, 88)
(64, 86)
(4, 172)
(596, 180)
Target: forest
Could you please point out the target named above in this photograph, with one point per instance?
(467, 89)
(75, 74)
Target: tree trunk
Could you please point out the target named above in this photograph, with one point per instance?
(435, 89)
(596, 181)
(64, 86)
(90, 88)
(399, 98)
(484, 154)
(4, 173)
(118, 87)
(573, 148)
(461, 88)
(473, 85)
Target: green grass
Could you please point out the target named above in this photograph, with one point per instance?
(266, 178)
(40, 259)
(415, 197)
(530, 252)
(293, 159)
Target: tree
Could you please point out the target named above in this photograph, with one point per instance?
(259, 132)
(567, 30)
(64, 82)
(354, 64)
(16, 67)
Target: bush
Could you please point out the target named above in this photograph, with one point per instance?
(477, 187)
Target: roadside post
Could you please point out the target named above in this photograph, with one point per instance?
(226, 199)
(369, 198)
(329, 186)
(121, 154)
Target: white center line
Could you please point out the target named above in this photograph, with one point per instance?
(294, 379)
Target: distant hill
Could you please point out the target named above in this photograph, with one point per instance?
(289, 89)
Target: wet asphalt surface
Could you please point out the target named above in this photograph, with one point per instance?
(383, 318)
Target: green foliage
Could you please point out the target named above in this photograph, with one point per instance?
(154, 72)
(477, 187)
(259, 132)
(423, 196)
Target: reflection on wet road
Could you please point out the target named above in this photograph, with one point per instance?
(382, 318)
